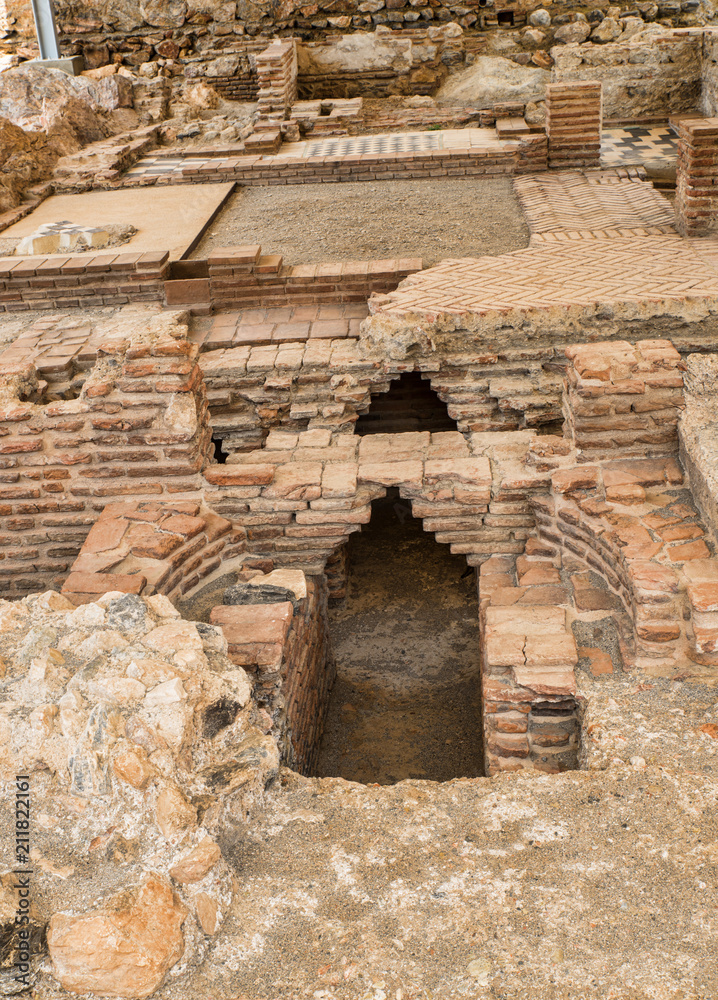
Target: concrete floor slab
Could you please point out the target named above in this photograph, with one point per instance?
(169, 218)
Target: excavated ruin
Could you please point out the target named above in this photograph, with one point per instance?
(359, 618)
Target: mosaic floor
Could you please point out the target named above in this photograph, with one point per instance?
(370, 145)
(337, 147)
(636, 144)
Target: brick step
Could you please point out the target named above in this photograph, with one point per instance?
(263, 142)
(511, 128)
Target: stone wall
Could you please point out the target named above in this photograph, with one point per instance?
(380, 63)
(708, 104)
(143, 722)
(652, 75)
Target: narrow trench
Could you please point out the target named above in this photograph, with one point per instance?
(406, 702)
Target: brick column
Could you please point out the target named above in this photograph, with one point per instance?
(697, 174)
(277, 76)
(573, 124)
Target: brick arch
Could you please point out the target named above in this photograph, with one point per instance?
(653, 560)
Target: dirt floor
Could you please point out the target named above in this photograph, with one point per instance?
(406, 701)
(309, 223)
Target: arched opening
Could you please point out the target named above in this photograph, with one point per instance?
(407, 699)
(409, 405)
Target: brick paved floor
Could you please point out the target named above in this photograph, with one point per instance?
(592, 201)
(561, 272)
(265, 326)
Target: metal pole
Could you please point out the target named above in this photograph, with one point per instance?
(45, 28)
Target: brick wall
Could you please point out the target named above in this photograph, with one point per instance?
(147, 547)
(82, 281)
(328, 383)
(285, 649)
(528, 655)
(139, 429)
(697, 169)
(573, 124)
(623, 399)
(241, 276)
(301, 496)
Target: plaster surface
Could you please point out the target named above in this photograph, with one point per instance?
(169, 218)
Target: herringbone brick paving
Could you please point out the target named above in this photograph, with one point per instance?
(576, 201)
(596, 237)
(563, 273)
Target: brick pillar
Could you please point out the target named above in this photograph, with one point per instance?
(277, 76)
(573, 124)
(697, 174)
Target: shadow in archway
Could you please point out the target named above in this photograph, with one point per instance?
(406, 703)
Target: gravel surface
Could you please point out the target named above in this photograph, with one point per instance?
(432, 219)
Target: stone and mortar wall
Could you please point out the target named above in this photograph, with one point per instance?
(698, 435)
(144, 751)
(708, 104)
(652, 75)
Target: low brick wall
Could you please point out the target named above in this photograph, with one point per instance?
(285, 649)
(526, 156)
(82, 281)
(241, 276)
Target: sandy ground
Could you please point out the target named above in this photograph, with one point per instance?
(309, 223)
(406, 702)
